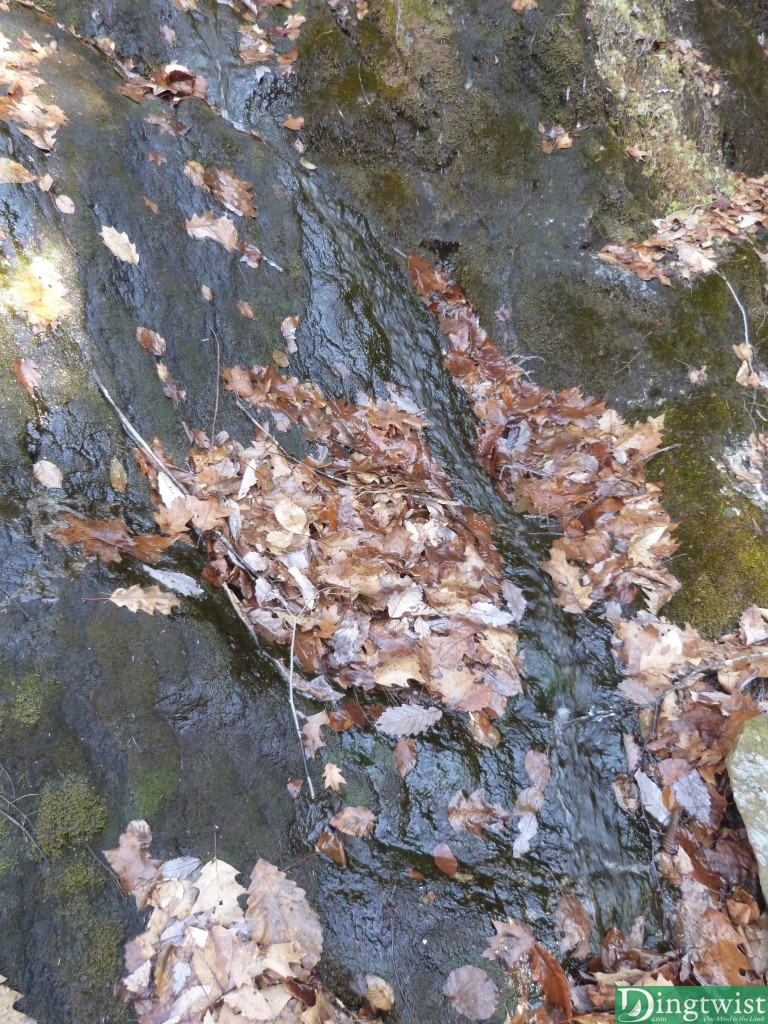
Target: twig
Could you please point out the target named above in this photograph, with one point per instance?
(217, 383)
(293, 706)
(27, 834)
(360, 80)
(739, 303)
(301, 860)
(133, 433)
(13, 599)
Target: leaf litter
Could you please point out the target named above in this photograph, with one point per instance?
(214, 951)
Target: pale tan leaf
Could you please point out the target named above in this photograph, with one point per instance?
(291, 516)
(407, 720)
(398, 672)
(294, 123)
(118, 477)
(135, 869)
(144, 599)
(332, 777)
(313, 739)
(379, 993)
(218, 892)
(278, 911)
(38, 291)
(354, 821)
(119, 245)
(471, 993)
(47, 473)
(64, 204)
(220, 229)
(8, 997)
(12, 173)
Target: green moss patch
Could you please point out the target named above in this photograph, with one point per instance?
(69, 815)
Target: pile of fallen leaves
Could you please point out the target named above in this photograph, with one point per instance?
(215, 952)
(357, 555)
(564, 457)
(20, 103)
(693, 242)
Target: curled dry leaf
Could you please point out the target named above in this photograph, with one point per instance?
(47, 473)
(405, 756)
(332, 777)
(119, 245)
(408, 719)
(144, 599)
(27, 373)
(354, 821)
(471, 992)
(330, 845)
(151, 341)
(445, 860)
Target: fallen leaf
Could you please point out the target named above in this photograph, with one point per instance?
(354, 821)
(118, 478)
(407, 720)
(136, 870)
(144, 599)
(294, 788)
(47, 473)
(245, 310)
(7, 999)
(119, 245)
(332, 777)
(445, 860)
(64, 204)
(151, 341)
(206, 292)
(527, 827)
(45, 183)
(405, 757)
(471, 992)
(27, 373)
(576, 926)
(313, 739)
(109, 539)
(218, 893)
(473, 813)
(38, 291)
(379, 993)
(220, 229)
(179, 582)
(152, 206)
(331, 846)
(294, 123)
(12, 173)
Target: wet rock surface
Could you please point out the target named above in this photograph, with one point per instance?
(748, 772)
(422, 121)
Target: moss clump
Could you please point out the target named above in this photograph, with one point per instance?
(24, 701)
(152, 785)
(70, 814)
(75, 875)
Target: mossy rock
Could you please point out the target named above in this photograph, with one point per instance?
(70, 815)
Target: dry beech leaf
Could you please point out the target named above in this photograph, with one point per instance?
(332, 777)
(27, 373)
(379, 993)
(294, 123)
(45, 183)
(471, 992)
(144, 599)
(445, 860)
(220, 229)
(245, 310)
(47, 473)
(64, 204)
(119, 245)
(279, 358)
(12, 173)
(354, 821)
(118, 478)
(7, 999)
(151, 341)
(405, 756)
(521, 6)
(407, 720)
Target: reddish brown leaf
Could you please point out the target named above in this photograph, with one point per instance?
(331, 846)
(405, 756)
(474, 813)
(151, 341)
(445, 860)
(27, 373)
(354, 821)
(471, 992)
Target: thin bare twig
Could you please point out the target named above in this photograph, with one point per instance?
(217, 383)
(293, 705)
(27, 834)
